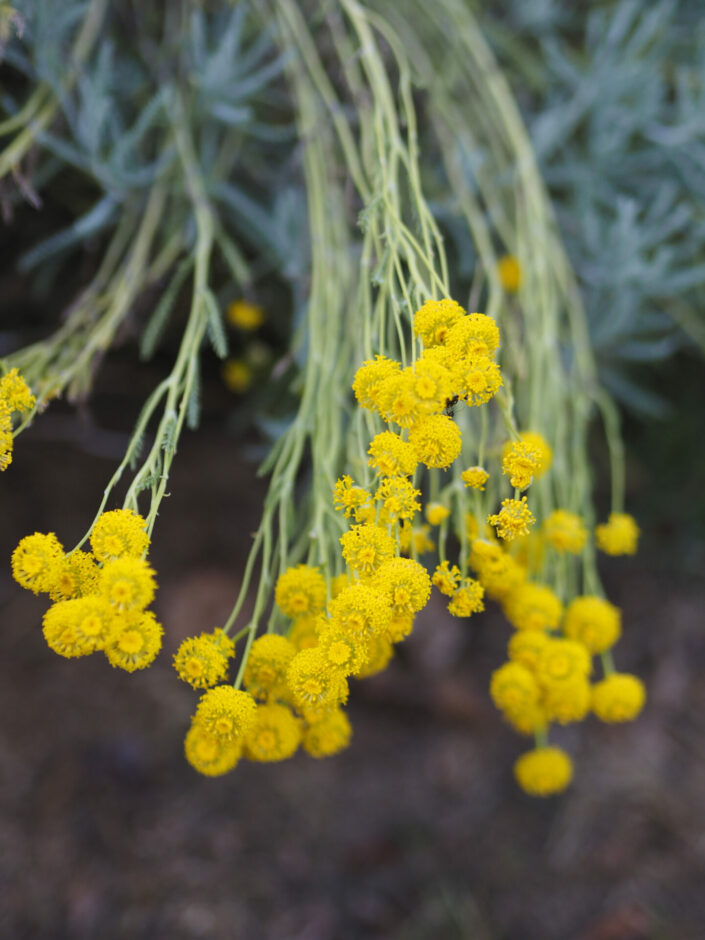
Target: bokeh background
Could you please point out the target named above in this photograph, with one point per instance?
(418, 830)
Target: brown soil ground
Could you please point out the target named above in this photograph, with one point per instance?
(417, 831)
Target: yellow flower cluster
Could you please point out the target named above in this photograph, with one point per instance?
(16, 398)
(100, 598)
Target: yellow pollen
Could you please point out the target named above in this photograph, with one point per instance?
(339, 653)
(312, 688)
(131, 642)
(224, 726)
(206, 750)
(267, 739)
(92, 626)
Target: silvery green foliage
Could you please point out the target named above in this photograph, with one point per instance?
(614, 97)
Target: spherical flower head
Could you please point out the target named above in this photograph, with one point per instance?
(222, 641)
(435, 318)
(361, 610)
(544, 771)
(369, 379)
(436, 513)
(327, 735)
(619, 535)
(15, 392)
(74, 575)
(379, 656)
(34, 561)
(347, 496)
(539, 443)
(446, 578)
(200, 662)
(315, 686)
(398, 402)
(120, 533)
(244, 315)
(79, 626)
(400, 627)
(338, 583)
(468, 599)
(137, 642)
(391, 456)
(436, 441)
(509, 273)
(520, 463)
(399, 498)
(433, 385)
(208, 755)
(561, 662)
(475, 477)
(567, 702)
(480, 379)
(565, 532)
(514, 689)
(405, 583)
(366, 548)
(303, 634)
(128, 584)
(513, 519)
(267, 665)
(533, 606)
(226, 714)
(618, 697)
(529, 551)
(473, 336)
(345, 652)
(528, 721)
(300, 590)
(498, 573)
(526, 646)
(237, 375)
(275, 736)
(594, 622)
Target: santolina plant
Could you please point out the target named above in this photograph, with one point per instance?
(411, 407)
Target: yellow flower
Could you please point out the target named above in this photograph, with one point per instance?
(347, 496)
(467, 600)
(361, 610)
(473, 336)
(420, 540)
(566, 702)
(79, 626)
(544, 771)
(619, 535)
(15, 393)
(434, 319)
(513, 519)
(237, 375)
(345, 651)
(561, 662)
(509, 272)
(529, 551)
(498, 573)
(381, 652)
(34, 561)
(619, 697)
(315, 686)
(128, 583)
(328, 735)
(244, 315)
(594, 622)
(200, 661)
(526, 646)
(405, 583)
(480, 380)
(136, 643)
(303, 634)
(226, 714)
(275, 736)
(436, 441)
(533, 606)
(6, 442)
(300, 590)
(539, 443)
(446, 579)
(366, 548)
(433, 385)
(267, 666)
(399, 498)
(520, 463)
(208, 755)
(475, 477)
(391, 456)
(565, 532)
(398, 402)
(400, 627)
(436, 513)
(369, 379)
(514, 689)
(74, 575)
(472, 527)
(120, 533)
(528, 721)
